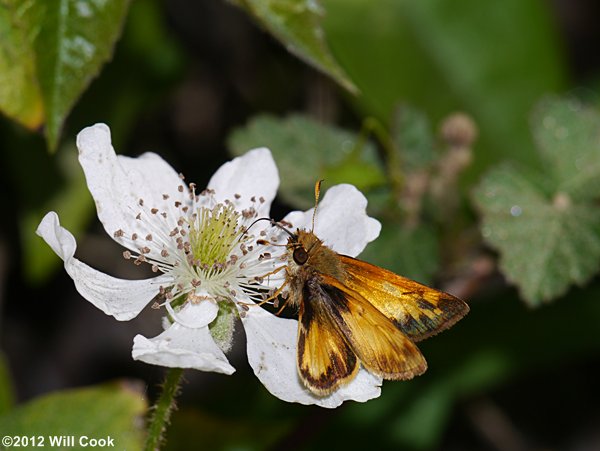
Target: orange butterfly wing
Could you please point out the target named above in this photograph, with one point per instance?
(325, 359)
(417, 310)
(380, 346)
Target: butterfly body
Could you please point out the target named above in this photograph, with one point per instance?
(352, 313)
(320, 259)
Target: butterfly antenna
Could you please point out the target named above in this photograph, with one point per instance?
(276, 224)
(252, 225)
(257, 220)
(317, 193)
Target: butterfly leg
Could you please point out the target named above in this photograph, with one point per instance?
(270, 298)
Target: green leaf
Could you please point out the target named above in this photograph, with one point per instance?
(75, 39)
(49, 53)
(111, 410)
(546, 242)
(297, 24)
(442, 56)
(546, 226)
(20, 96)
(568, 136)
(6, 391)
(307, 151)
(411, 252)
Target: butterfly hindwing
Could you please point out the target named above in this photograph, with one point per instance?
(380, 346)
(325, 359)
(417, 310)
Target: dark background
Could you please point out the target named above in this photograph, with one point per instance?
(208, 69)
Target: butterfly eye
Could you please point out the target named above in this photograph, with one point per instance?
(300, 255)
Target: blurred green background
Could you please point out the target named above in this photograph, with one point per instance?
(498, 204)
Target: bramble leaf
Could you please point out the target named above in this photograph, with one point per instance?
(50, 52)
(111, 410)
(297, 24)
(20, 95)
(546, 226)
(307, 151)
(568, 136)
(546, 241)
(75, 39)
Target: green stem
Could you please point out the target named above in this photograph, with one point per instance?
(162, 409)
(373, 126)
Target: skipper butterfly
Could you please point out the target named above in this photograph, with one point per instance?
(352, 313)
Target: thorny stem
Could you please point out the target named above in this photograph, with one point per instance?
(161, 411)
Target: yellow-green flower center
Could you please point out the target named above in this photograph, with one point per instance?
(213, 235)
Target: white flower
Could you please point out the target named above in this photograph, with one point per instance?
(195, 242)
(209, 268)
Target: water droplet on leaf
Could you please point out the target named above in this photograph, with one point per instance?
(516, 211)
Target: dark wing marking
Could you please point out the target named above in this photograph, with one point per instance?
(380, 346)
(325, 359)
(417, 310)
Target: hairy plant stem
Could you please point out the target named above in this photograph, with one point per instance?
(161, 411)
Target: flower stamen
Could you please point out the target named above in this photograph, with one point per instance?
(204, 245)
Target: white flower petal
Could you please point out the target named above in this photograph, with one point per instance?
(271, 343)
(195, 316)
(153, 177)
(123, 299)
(182, 347)
(252, 174)
(341, 222)
(118, 183)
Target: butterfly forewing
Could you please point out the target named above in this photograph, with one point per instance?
(325, 359)
(419, 311)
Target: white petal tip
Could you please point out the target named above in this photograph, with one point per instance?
(373, 229)
(261, 152)
(195, 316)
(94, 135)
(48, 222)
(58, 238)
(162, 352)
